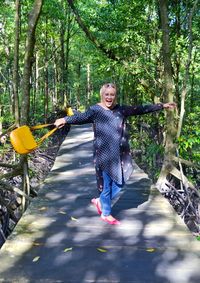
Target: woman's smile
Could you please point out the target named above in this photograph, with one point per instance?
(108, 99)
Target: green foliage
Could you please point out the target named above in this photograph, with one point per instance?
(189, 141)
(146, 138)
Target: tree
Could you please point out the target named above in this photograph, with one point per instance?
(168, 90)
(29, 59)
(28, 62)
(172, 179)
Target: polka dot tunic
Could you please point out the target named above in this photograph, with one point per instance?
(111, 147)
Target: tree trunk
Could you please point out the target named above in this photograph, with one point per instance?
(168, 91)
(36, 83)
(88, 86)
(192, 98)
(28, 60)
(78, 94)
(46, 77)
(1, 115)
(172, 182)
(177, 59)
(67, 50)
(46, 91)
(16, 61)
(55, 86)
(62, 64)
(187, 68)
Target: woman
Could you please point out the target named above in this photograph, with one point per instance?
(111, 149)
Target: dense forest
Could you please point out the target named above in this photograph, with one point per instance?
(56, 53)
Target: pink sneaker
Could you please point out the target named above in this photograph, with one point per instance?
(111, 222)
(95, 201)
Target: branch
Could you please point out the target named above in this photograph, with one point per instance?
(186, 162)
(10, 188)
(108, 52)
(14, 166)
(16, 172)
(3, 202)
(8, 130)
(176, 173)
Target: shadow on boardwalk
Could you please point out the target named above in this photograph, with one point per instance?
(58, 238)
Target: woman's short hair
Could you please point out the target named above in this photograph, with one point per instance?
(108, 85)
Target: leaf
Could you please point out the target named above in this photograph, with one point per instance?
(68, 249)
(42, 208)
(150, 250)
(198, 238)
(37, 244)
(62, 212)
(73, 218)
(102, 250)
(36, 258)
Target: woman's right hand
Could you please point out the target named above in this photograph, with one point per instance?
(59, 123)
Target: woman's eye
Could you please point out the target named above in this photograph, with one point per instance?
(109, 94)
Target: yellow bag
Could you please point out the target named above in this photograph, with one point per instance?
(23, 140)
(69, 111)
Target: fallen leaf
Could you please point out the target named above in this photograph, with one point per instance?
(42, 208)
(62, 212)
(150, 250)
(37, 244)
(102, 250)
(73, 218)
(68, 250)
(36, 258)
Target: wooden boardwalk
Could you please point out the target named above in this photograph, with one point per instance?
(61, 238)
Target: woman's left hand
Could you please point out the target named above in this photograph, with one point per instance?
(169, 105)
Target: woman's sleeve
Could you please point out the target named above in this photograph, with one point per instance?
(81, 118)
(142, 109)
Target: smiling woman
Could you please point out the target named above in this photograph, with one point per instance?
(112, 156)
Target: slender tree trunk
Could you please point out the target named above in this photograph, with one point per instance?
(62, 63)
(55, 89)
(88, 86)
(168, 91)
(177, 54)
(187, 67)
(46, 91)
(29, 59)
(1, 115)
(36, 83)
(46, 78)
(192, 98)
(55, 79)
(78, 85)
(67, 50)
(16, 62)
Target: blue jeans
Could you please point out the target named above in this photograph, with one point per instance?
(110, 190)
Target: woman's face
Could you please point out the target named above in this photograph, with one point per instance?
(108, 98)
